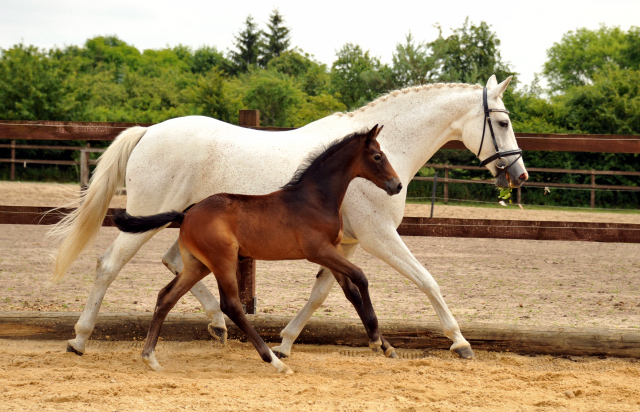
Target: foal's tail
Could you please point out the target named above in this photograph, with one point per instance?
(140, 224)
(79, 228)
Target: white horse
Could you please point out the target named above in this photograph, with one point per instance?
(177, 163)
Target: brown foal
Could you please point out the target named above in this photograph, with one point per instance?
(300, 221)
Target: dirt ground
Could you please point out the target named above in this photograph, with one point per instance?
(40, 376)
(492, 281)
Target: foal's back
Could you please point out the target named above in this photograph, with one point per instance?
(266, 227)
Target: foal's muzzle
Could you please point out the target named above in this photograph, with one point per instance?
(393, 186)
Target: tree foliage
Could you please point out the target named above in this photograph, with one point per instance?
(470, 55)
(276, 40)
(248, 47)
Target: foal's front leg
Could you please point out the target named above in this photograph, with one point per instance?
(356, 288)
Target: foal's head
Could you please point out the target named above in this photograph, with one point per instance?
(373, 164)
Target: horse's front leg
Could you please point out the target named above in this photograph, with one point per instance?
(217, 328)
(388, 246)
(321, 288)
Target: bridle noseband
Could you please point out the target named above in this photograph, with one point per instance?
(502, 166)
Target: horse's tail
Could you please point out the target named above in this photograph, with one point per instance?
(78, 229)
(140, 224)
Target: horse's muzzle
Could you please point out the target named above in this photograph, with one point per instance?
(393, 186)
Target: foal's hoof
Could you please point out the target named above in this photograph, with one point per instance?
(218, 333)
(465, 352)
(375, 346)
(72, 349)
(280, 355)
(152, 362)
(281, 352)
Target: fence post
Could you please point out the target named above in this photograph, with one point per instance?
(433, 192)
(249, 118)
(519, 195)
(246, 273)
(13, 158)
(593, 190)
(446, 183)
(84, 168)
(246, 278)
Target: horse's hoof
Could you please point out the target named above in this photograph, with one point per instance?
(465, 352)
(71, 349)
(281, 352)
(218, 333)
(390, 353)
(285, 369)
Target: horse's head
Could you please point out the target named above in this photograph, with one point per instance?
(488, 133)
(373, 164)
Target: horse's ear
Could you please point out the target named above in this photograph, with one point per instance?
(498, 89)
(374, 132)
(492, 82)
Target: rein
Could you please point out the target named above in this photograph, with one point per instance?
(502, 165)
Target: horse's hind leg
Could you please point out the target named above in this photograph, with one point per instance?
(217, 328)
(107, 268)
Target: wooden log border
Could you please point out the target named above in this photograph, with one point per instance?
(414, 226)
(529, 340)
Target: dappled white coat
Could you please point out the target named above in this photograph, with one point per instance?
(179, 162)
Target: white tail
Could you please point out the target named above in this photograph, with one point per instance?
(79, 228)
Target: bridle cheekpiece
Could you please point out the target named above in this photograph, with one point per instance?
(501, 166)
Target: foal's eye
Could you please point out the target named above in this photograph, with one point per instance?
(377, 157)
(503, 123)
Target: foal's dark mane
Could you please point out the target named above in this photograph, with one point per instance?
(320, 155)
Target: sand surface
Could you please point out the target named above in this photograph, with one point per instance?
(40, 376)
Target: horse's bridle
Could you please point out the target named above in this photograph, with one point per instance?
(502, 166)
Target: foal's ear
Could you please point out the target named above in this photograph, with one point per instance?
(374, 132)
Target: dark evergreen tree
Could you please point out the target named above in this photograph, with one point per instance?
(249, 45)
(276, 41)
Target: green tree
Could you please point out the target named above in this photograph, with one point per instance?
(248, 45)
(206, 58)
(357, 77)
(610, 105)
(580, 55)
(276, 41)
(213, 99)
(311, 74)
(110, 50)
(470, 55)
(36, 86)
(413, 64)
(274, 94)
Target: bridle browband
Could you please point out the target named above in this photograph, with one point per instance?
(498, 155)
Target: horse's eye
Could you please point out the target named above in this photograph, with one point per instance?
(377, 157)
(503, 123)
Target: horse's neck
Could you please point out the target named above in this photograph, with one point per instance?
(417, 123)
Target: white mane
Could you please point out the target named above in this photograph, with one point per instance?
(420, 88)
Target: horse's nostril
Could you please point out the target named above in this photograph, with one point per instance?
(399, 187)
(524, 176)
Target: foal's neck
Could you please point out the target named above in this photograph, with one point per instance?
(327, 184)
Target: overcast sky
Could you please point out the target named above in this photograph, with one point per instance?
(526, 29)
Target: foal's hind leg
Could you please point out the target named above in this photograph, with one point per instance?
(193, 272)
(217, 328)
(109, 264)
